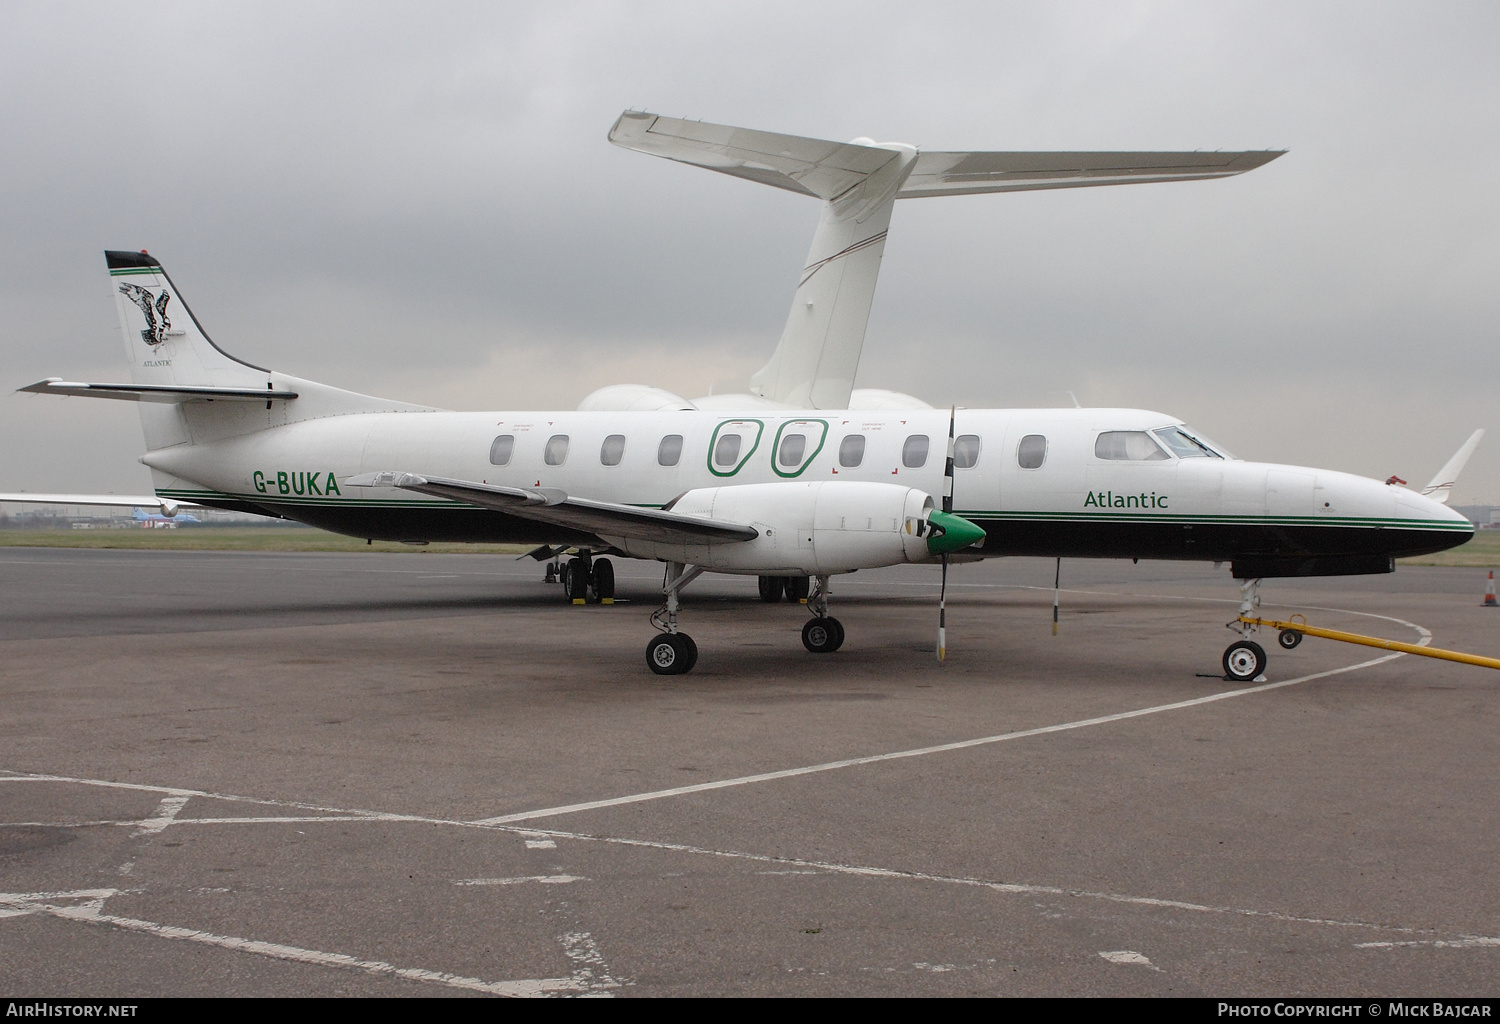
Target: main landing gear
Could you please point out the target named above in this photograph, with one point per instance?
(672, 652)
(1245, 660)
(793, 588)
(585, 579)
(823, 634)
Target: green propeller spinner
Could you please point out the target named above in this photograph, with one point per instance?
(950, 533)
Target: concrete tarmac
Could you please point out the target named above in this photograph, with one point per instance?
(416, 774)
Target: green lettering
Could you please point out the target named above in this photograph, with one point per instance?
(332, 486)
(259, 479)
(299, 482)
(1132, 502)
(1161, 502)
(1119, 501)
(281, 482)
(312, 483)
(1086, 501)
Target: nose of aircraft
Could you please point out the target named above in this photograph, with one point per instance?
(951, 533)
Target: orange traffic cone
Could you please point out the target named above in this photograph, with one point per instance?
(1489, 592)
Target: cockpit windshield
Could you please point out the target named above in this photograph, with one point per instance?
(1186, 445)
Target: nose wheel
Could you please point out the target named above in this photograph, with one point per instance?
(1244, 660)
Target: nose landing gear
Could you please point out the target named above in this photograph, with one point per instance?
(1245, 660)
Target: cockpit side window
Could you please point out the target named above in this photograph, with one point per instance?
(1128, 446)
(1185, 445)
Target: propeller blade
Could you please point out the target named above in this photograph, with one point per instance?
(942, 651)
(1056, 590)
(949, 520)
(948, 468)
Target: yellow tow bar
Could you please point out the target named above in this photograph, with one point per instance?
(1375, 641)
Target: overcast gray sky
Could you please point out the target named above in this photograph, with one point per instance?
(418, 201)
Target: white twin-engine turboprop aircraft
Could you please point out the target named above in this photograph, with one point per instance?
(801, 479)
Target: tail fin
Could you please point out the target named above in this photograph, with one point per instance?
(859, 182)
(1440, 487)
(163, 340)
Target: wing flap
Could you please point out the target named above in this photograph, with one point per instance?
(551, 505)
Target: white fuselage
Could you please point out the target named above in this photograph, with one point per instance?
(1072, 503)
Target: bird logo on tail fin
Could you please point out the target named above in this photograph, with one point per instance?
(157, 324)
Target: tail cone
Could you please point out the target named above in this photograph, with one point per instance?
(1489, 592)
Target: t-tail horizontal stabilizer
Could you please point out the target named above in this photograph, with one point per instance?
(815, 362)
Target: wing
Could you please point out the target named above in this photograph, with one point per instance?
(550, 505)
(168, 507)
(154, 392)
(958, 174)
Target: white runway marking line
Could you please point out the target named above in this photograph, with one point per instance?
(812, 867)
(1424, 635)
(544, 879)
(1128, 956)
(1467, 942)
(164, 815)
(582, 980)
(591, 970)
(942, 748)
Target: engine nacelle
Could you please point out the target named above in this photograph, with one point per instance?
(829, 526)
(633, 398)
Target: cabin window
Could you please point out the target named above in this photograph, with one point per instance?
(1128, 446)
(501, 449)
(612, 450)
(1032, 451)
(914, 451)
(793, 447)
(966, 451)
(727, 450)
(669, 451)
(556, 452)
(852, 451)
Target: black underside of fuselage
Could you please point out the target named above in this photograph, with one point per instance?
(1255, 550)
